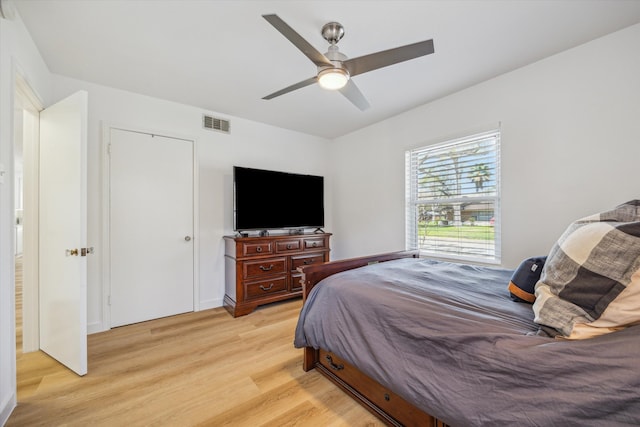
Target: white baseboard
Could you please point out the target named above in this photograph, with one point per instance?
(212, 303)
(8, 405)
(94, 328)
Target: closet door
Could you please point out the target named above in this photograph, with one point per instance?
(151, 226)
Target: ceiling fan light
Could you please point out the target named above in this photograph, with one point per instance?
(333, 78)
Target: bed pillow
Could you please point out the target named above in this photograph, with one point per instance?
(524, 279)
(590, 283)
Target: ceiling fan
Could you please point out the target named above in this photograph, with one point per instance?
(335, 69)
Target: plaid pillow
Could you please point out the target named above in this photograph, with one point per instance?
(590, 283)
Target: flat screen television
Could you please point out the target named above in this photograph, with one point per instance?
(268, 200)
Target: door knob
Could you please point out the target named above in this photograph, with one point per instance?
(71, 252)
(187, 238)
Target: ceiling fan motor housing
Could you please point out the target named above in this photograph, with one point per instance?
(332, 32)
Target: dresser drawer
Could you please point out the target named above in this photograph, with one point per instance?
(257, 248)
(265, 287)
(314, 243)
(288, 245)
(264, 268)
(302, 260)
(296, 284)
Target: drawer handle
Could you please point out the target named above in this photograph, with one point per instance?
(266, 289)
(263, 268)
(314, 244)
(308, 261)
(259, 249)
(335, 367)
(289, 246)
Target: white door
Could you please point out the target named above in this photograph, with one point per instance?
(63, 232)
(151, 226)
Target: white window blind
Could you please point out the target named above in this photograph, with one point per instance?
(453, 195)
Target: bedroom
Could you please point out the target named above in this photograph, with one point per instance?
(569, 133)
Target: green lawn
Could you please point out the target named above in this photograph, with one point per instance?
(477, 232)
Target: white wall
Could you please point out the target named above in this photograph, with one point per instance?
(570, 147)
(17, 54)
(250, 144)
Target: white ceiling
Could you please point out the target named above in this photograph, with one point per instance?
(223, 57)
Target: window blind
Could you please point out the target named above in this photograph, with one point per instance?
(452, 193)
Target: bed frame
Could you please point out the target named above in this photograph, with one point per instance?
(392, 409)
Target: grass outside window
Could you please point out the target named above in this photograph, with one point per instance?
(473, 232)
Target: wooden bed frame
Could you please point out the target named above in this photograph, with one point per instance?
(389, 407)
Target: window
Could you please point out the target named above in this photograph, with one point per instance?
(453, 194)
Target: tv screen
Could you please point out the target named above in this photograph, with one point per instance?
(266, 200)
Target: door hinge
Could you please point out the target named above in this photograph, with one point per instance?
(109, 300)
(109, 148)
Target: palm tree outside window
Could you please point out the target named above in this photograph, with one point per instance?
(452, 196)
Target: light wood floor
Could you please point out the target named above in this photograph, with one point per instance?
(195, 369)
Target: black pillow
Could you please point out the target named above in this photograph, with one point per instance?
(524, 279)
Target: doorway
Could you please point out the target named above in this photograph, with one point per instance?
(26, 145)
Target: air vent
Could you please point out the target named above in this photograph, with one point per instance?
(214, 123)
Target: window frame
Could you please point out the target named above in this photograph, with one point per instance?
(414, 202)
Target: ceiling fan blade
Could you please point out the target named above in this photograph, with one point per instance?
(310, 52)
(293, 87)
(353, 94)
(373, 61)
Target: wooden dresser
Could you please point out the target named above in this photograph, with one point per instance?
(261, 270)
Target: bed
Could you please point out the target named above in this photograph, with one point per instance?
(433, 343)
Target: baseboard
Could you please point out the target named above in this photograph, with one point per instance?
(211, 303)
(8, 405)
(94, 328)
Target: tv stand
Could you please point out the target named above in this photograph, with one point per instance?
(263, 269)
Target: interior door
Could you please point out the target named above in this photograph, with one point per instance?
(63, 231)
(151, 226)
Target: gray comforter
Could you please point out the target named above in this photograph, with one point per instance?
(448, 338)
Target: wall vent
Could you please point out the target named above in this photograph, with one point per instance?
(213, 123)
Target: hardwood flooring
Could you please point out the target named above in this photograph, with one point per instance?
(194, 369)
